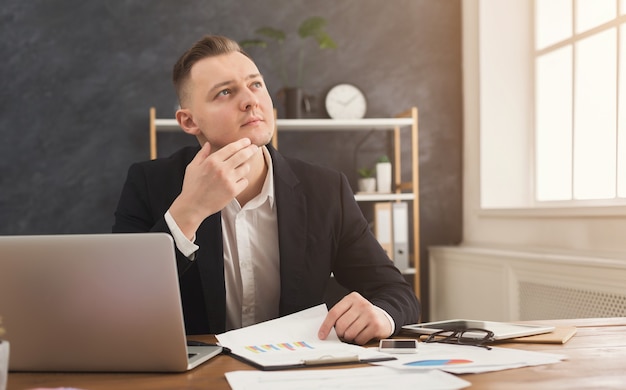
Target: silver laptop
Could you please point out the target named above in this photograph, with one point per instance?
(94, 302)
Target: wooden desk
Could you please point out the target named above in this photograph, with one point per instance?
(597, 360)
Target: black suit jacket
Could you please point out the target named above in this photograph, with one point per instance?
(320, 227)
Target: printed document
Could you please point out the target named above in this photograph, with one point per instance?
(361, 378)
(467, 359)
(291, 341)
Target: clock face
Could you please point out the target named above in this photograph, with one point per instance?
(345, 101)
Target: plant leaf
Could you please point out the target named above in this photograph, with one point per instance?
(311, 26)
(252, 43)
(325, 41)
(272, 33)
(366, 172)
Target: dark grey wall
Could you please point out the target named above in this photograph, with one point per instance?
(78, 78)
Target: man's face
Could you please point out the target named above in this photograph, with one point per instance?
(227, 100)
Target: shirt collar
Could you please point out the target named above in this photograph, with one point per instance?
(268, 185)
(267, 191)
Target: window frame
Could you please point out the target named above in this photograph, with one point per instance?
(619, 25)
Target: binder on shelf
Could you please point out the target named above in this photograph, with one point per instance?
(400, 218)
(383, 226)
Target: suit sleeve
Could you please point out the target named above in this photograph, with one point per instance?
(362, 265)
(142, 206)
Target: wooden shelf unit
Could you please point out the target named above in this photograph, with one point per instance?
(408, 191)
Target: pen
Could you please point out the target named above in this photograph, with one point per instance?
(344, 359)
(331, 360)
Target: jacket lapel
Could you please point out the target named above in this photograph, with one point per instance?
(211, 269)
(292, 232)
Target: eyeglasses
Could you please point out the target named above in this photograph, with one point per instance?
(471, 336)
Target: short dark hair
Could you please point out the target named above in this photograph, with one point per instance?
(208, 46)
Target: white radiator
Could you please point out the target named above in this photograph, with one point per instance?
(511, 285)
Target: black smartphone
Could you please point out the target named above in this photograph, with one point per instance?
(398, 346)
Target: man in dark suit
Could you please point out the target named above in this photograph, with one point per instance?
(257, 234)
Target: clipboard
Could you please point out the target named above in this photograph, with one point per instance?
(323, 361)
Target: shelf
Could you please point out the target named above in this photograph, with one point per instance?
(406, 191)
(315, 124)
(166, 125)
(342, 124)
(403, 191)
(409, 271)
(370, 197)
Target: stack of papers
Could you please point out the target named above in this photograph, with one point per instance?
(291, 342)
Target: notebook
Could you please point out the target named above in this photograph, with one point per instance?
(94, 302)
(560, 335)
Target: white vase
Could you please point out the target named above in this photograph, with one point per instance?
(367, 184)
(383, 177)
(4, 364)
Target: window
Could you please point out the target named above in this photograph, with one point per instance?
(579, 100)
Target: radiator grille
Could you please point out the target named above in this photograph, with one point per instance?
(540, 301)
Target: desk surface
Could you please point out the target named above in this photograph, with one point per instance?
(596, 359)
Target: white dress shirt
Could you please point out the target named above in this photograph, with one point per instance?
(251, 256)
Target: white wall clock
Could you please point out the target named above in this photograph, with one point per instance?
(346, 101)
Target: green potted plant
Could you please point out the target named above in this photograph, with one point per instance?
(313, 28)
(383, 175)
(367, 181)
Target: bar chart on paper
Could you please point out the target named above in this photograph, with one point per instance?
(292, 346)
